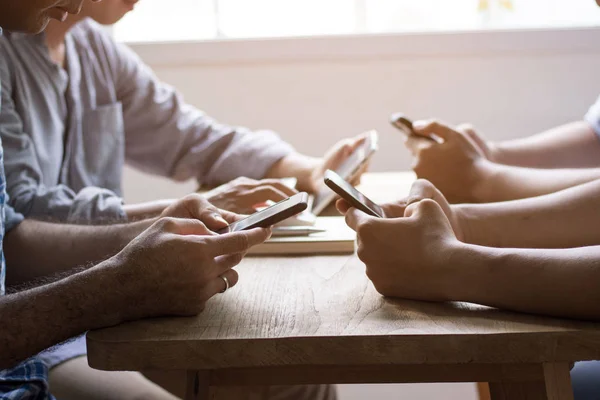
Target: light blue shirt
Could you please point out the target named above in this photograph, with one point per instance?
(68, 132)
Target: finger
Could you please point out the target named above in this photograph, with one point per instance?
(183, 226)
(434, 127)
(420, 189)
(342, 206)
(239, 242)
(200, 208)
(231, 217)
(416, 144)
(474, 137)
(428, 210)
(279, 185)
(264, 194)
(355, 218)
(394, 210)
(225, 262)
(356, 178)
(359, 141)
(339, 153)
(218, 285)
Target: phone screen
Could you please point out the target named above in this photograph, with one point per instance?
(272, 215)
(352, 195)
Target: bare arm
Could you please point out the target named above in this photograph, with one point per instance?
(64, 309)
(150, 209)
(561, 282)
(459, 168)
(178, 261)
(419, 257)
(504, 182)
(574, 145)
(567, 218)
(36, 249)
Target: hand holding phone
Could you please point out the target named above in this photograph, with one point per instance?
(349, 193)
(348, 170)
(270, 216)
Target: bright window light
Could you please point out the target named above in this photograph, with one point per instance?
(184, 20)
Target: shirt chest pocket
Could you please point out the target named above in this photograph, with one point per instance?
(104, 146)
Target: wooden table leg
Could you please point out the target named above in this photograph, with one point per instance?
(197, 386)
(556, 385)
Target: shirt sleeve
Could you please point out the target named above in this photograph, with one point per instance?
(168, 137)
(593, 116)
(28, 195)
(12, 217)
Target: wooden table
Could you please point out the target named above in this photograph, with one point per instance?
(301, 320)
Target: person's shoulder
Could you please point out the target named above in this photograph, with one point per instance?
(90, 33)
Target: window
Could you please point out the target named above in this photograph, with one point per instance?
(159, 20)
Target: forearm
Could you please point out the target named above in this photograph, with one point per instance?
(146, 210)
(574, 145)
(568, 218)
(503, 182)
(39, 318)
(36, 249)
(298, 166)
(561, 282)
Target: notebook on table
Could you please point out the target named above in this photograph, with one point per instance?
(337, 239)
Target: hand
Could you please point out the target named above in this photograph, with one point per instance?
(334, 158)
(420, 190)
(487, 149)
(242, 194)
(197, 207)
(176, 265)
(409, 257)
(458, 166)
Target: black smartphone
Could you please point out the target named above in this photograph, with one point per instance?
(402, 123)
(270, 216)
(405, 125)
(349, 193)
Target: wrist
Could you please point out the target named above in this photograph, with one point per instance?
(494, 153)
(128, 232)
(99, 303)
(483, 189)
(118, 293)
(298, 166)
(465, 279)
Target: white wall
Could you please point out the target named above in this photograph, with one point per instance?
(315, 93)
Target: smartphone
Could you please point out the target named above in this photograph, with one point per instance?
(270, 216)
(402, 123)
(349, 193)
(348, 170)
(405, 125)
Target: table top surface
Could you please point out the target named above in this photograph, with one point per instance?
(322, 310)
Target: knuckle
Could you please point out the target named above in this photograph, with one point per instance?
(362, 253)
(167, 224)
(365, 229)
(466, 127)
(235, 259)
(428, 205)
